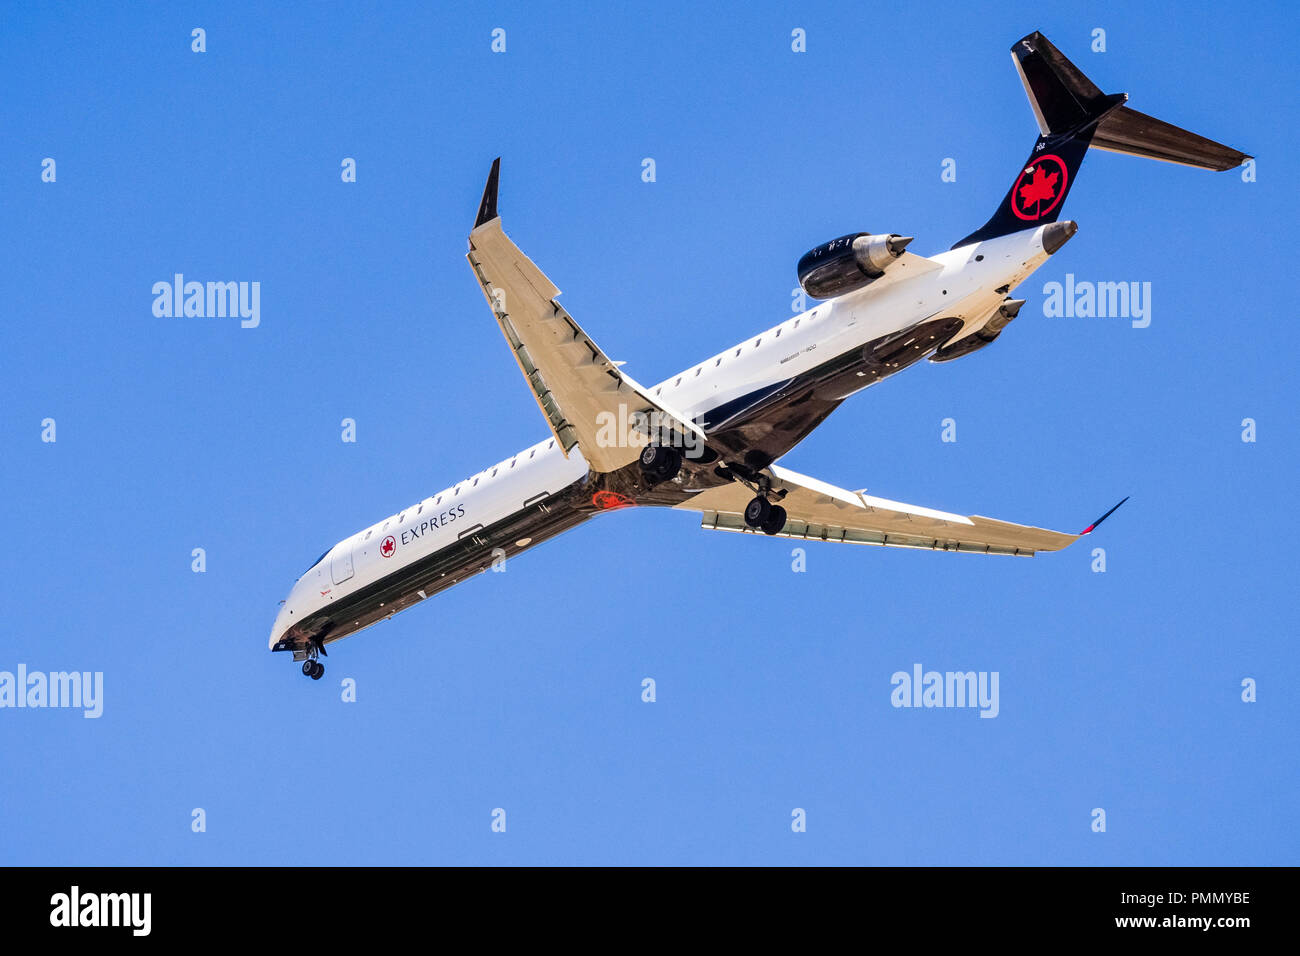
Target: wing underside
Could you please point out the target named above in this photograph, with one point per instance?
(579, 389)
(822, 512)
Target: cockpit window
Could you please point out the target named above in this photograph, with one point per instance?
(320, 559)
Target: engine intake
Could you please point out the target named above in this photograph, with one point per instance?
(848, 263)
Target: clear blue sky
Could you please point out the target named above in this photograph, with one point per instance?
(522, 690)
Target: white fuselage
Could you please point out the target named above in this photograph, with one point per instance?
(971, 283)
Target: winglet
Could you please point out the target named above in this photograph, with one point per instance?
(487, 209)
(1092, 527)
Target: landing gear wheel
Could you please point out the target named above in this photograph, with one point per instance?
(757, 513)
(660, 463)
(775, 520)
(308, 667)
(318, 670)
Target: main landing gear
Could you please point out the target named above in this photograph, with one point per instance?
(762, 515)
(660, 463)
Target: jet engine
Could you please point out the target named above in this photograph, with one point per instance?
(991, 329)
(848, 263)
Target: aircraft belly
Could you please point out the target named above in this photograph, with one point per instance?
(781, 415)
(423, 575)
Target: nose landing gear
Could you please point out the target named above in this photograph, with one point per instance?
(311, 665)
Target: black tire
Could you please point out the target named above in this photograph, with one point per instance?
(672, 464)
(775, 520)
(757, 511)
(307, 668)
(319, 671)
(660, 463)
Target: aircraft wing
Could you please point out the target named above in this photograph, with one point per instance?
(580, 391)
(817, 511)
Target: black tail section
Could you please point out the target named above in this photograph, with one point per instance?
(1073, 114)
(1063, 99)
(1040, 188)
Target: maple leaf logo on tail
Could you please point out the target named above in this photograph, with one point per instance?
(1040, 189)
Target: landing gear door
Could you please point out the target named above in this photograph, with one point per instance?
(341, 563)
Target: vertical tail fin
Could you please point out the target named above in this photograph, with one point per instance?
(1073, 114)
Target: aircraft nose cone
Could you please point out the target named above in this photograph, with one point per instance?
(1058, 234)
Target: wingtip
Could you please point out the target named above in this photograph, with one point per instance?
(1093, 527)
(487, 208)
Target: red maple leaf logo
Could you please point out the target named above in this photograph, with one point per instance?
(387, 547)
(1039, 189)
(610, 500)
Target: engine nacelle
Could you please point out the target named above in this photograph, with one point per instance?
(848, 263)
(977, 340)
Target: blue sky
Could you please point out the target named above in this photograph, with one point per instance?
(522, 690)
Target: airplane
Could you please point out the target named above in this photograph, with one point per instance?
(709, 438)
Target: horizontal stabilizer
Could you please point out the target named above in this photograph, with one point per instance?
(1136, 134)
(1065, 100)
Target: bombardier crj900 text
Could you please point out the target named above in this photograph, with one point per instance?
(707, 440)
